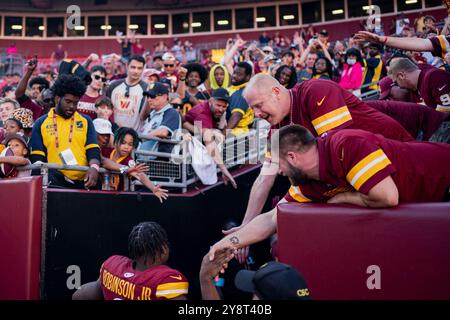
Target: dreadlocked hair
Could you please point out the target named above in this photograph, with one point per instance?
(120, 134)
(147, 240)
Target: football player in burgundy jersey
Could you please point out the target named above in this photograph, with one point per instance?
(142, 276)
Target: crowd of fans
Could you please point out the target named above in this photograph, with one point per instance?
(92, 113)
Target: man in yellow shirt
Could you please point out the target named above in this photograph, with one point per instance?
(64, 136)
(239, 115)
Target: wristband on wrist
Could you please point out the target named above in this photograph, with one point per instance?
(385, 40)
(124, 169)
(95, 166)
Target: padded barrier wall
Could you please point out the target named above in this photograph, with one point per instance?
(85, 228)
(334, 248)
(20, 237)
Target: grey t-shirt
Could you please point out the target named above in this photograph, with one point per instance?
(127, 102)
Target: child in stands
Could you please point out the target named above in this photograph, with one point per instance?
(25, 117)
(125, 141)
(105, 110)
(15, 154)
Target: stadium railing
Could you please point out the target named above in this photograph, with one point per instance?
(369, 95)
(175, 169)
(45, 167)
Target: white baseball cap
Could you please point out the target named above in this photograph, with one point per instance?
(168, 56)
(268, 48)
(102, 126)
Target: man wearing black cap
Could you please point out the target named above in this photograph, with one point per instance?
(323, 37)
(160, 119)
(209, 112)
(373, 67)
(205, 117)
(272, 281)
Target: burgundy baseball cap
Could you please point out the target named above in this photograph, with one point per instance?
(385, 87)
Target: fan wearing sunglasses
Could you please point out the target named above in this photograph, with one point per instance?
(161, 120)
(86, 105)
(169, 68)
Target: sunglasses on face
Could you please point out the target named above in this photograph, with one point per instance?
(169, 65)
(153, 96)
(97, 77)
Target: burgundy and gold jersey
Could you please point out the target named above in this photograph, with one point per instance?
(314, 191)
(120, 281)
(322, 105)
(415, 118)
(441, 45)
(360, 159)
(434, 88)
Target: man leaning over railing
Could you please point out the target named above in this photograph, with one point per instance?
(63, 136)
(206, 118)
(161, 119)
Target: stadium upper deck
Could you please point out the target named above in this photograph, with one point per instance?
(37, 28)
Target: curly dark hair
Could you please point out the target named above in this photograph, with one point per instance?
(44, 84)
(68, 84)
(292, 80)
(203, 73)
(119, 137)
(328, 71)
(147, 240)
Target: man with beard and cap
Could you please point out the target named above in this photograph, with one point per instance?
(188, 90)
(64, 136)
(206, 118)
(318, 105)
(44, 100)
(208, 113)
(375, 172)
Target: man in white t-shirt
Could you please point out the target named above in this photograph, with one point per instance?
(127, 95)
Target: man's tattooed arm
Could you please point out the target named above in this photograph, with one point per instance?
(234, 240)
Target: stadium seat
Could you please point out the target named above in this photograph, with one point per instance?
(347, 252)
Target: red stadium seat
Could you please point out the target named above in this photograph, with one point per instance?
(20, 237)
(337, 249)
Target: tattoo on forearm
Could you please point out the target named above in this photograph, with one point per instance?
(234, 240)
